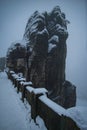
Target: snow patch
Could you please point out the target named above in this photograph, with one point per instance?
(12, 72)
(55, 38)
(40, 123)
(27, 83)
(55, 107)
(79, 115)
(40, 91)
(37, 90)
(21, 79)
(30, 89)
(51, 46)
(44, 31)
(15, 76)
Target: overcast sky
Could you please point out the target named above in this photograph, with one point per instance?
(13, 18)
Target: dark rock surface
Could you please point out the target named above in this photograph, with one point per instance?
(15, 59)
(46, 36)
(2, 63)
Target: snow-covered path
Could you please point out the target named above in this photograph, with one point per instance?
(15, 115)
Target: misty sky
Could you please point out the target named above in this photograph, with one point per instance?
(13, 18)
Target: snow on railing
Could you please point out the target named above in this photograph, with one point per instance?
(54, 116)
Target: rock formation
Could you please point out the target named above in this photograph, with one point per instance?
(46, 36)
(15, 59)
(2, 63)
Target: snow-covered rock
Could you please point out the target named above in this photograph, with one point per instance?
(46, 34)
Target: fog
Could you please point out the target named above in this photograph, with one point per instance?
(13, 18)
(76, 64)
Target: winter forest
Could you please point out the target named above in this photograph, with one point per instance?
(43, 68)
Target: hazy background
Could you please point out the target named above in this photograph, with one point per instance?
(13, 18)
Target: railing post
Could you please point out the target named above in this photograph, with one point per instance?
(34, 105)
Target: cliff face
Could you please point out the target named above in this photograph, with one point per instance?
(46, 36)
